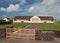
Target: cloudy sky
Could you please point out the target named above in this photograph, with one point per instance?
(11, 8)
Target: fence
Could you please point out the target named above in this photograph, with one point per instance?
(9, 32)
(24, 33)
(34, 34)
(21, 33)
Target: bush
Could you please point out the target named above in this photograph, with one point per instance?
(4, 22)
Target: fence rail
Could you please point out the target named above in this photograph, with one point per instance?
(21, 33)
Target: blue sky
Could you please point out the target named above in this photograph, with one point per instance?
(12, 8)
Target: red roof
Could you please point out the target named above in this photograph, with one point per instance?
(28, 17)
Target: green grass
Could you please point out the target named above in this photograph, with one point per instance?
(49, 26)
(22, 25)
(15, 26)
(55, 26)
(18, 26)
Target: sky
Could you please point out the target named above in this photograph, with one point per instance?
(12, 8)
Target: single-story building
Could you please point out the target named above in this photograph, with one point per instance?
(7, 19)
(33, 19)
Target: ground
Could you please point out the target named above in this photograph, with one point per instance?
(57, 40)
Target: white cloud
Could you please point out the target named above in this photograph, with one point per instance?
(11, 8)
(46, 7)
(59, 11)
(49, 2)
(22, 2)
(3, 9)
(31, 9)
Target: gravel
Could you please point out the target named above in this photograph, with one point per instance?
(56, 40)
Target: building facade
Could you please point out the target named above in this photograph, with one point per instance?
(33, 19)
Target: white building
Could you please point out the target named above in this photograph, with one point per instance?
(33, 19)
(6, 19)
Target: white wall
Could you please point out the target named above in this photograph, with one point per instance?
(19, 21)
(47, 21)
(26, 21)
(6, 19)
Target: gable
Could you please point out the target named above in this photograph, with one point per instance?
(35, 18)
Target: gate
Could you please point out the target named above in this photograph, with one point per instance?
(24, 33)
(21, 33)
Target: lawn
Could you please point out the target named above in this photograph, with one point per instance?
(15, 26)
(18, 26)
(50, 26)
(22, 25)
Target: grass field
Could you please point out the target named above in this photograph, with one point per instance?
(50, 26)
(14, 25)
